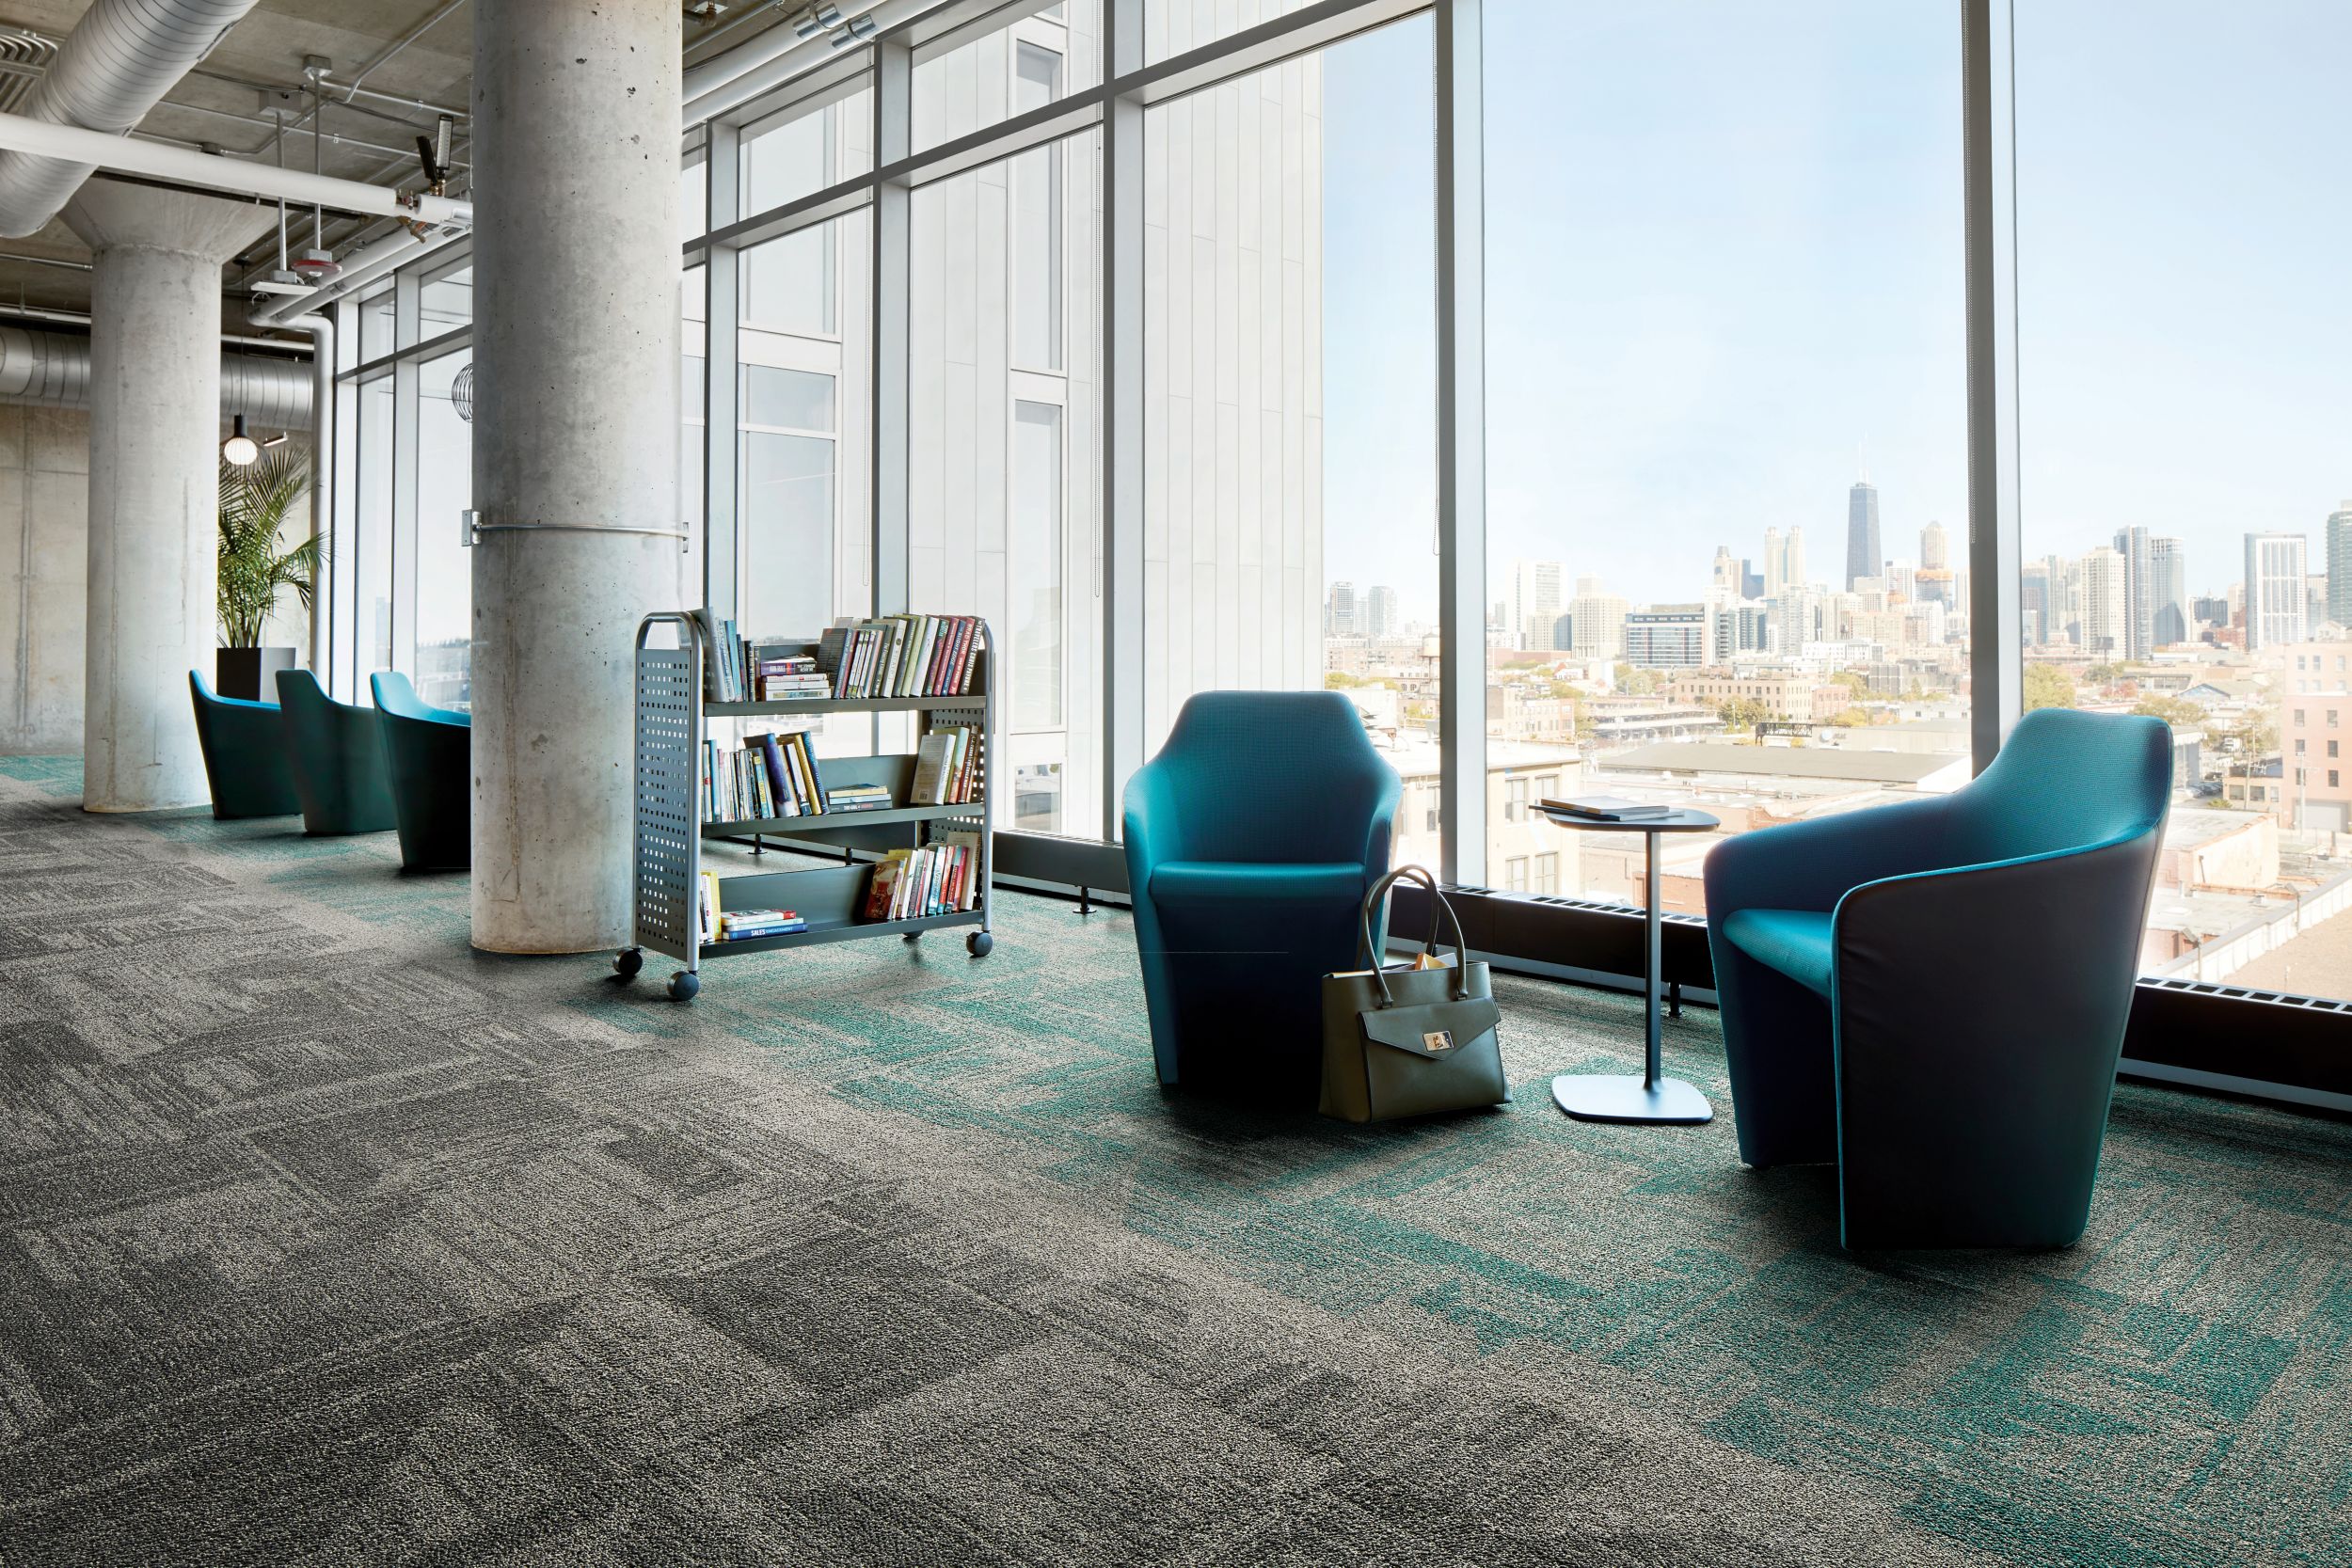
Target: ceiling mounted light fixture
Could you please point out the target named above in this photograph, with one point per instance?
(240, 449)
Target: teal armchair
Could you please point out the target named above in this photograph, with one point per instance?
(337, 756)
(1252, 841)
(428, 760)
(245, 755)
(1932, 994)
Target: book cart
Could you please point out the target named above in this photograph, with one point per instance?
(672, 711)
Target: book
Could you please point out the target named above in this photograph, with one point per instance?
(934, 756)
(706, 910)
(1609, 808)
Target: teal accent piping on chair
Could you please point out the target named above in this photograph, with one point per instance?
(337, 756)
(245, 755)
(428, 758)
(1979, 953)
(1251, 840)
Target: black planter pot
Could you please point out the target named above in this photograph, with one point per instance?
(251, 672)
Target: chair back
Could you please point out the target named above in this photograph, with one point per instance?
(397, 696)
(2065, 780)
(1274, 776)
(208, 700)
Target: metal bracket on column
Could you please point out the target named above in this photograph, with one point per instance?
(472, 527)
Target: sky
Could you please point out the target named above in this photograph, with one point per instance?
(1723, 249)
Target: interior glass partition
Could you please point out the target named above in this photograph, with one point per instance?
(444, 668)
(2183, 207)
(1727, 487)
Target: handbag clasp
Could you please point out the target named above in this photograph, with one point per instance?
(1438, 1040)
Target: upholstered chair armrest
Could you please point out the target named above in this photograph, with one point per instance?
(1980, 1012)
(1810, 866)
(1152, 821)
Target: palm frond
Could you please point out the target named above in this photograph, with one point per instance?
(256, 503)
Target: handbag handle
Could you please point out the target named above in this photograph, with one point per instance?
(1372, 959)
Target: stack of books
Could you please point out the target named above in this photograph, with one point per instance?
(858, 797)
(947, 766)
(786, 678)
(743, 925)
(769, 776)
(941, 877)
(1610, 808)
(901, 655)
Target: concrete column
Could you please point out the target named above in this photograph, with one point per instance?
(155, 491)
(576, 386)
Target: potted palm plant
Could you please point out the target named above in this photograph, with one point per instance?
(255, 501)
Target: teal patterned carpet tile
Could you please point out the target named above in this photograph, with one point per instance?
(2176, 1390)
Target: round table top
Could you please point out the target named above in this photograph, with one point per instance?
(1682, 819)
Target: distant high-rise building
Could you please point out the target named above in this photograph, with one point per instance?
(1380, 617)
(1935, 548)
(1667, 637)
(1865, 556)
(2274, 610)
(1726, 574)
(1338, 610)
(2034, 621)
(1750, 581)
(2340, 564)
(2168, 572)
(1534, 599)
(1783, 563)
(1596, 621)
(2106, 603)
(2139, 599)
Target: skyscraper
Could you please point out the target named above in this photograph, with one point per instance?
(1935, 548)
(2340, 564)
(2140, 605)
(2106, 603)
(1865, 556)
(1338, 610)
(1784, 562)
(2274, 589)
(2167, 571)
(1380, 617)
(1534, 595)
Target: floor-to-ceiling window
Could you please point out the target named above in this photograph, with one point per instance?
(1726, 424)
(444, 662)
(2183, 209)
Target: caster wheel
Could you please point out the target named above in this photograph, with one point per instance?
(912, 935)
(627, 963)
(979, 942)
(683, 985)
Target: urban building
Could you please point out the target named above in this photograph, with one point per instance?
(2275, 589)
(2106, 603)
(1597, 620)
(1535, 601)
(2339, 549)
(1668, 636)
(2172, 618)
(1382, 619)
(1866, 556)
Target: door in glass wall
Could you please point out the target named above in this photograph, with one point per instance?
(444, 566)
(2183, 209)
(371, 606)
(1726, 427)
(1290, 395)
(1002, 494)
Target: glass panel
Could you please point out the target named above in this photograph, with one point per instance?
(691, 450)
(1035, 280)
(693, 205)
(789, 283)
(1727, 417)
(375, 321)
(789, 157)
(1172, 27)
(2185, 535)
(1027, 63)
(1034, 556)
(788, 536)
(374, 577)
(1290, 375)
(786, 399)
(445, 302)
(1002, 482)
(444, 565)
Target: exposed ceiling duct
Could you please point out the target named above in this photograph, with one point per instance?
(51, 368)
(113, 68)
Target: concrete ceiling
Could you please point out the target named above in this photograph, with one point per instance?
(226, 102)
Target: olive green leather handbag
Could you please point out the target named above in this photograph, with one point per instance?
(1415, 1039)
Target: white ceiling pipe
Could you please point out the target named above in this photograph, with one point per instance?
(183, 166)
(361, 267)
(761, 66)
(116, 64)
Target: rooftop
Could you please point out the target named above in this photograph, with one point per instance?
(1784, 762)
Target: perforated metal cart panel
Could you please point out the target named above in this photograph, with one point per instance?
(669, 828)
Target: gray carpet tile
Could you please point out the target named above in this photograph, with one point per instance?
(329, 1240)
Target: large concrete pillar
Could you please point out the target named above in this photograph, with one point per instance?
(154, 492)
(575, 431)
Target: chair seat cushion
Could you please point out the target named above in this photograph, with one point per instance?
(1797, 942)
(1196, 883)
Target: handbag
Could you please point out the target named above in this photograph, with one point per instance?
(1410, 1041)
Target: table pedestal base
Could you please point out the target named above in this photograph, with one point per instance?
(1621, 1097)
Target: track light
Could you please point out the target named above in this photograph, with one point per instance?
(240, 449)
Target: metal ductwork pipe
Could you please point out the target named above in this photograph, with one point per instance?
(116, 64)
(51, 368)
